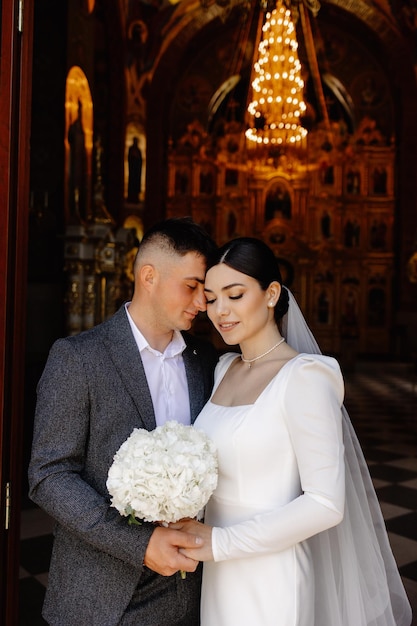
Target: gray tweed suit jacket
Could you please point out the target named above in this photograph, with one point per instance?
(92, 394)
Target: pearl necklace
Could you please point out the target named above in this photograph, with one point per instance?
(250, 361)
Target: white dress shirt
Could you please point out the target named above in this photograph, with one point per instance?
(165, 373)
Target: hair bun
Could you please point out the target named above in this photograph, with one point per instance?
(282, 304)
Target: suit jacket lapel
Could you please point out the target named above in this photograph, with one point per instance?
(125, 356)
(126, 359)
(193, 368)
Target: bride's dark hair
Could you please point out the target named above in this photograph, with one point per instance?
(254, 258)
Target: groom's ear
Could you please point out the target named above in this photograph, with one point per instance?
(147, 276)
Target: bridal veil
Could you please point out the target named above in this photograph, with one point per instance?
(356, 577)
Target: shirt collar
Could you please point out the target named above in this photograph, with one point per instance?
(175, 347)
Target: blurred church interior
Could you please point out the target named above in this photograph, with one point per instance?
(139, 110)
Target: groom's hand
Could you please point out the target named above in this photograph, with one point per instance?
(203, 551)
(162, 554)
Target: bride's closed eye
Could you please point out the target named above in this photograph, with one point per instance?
(212, 300)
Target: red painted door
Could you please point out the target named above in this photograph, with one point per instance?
(16, 25)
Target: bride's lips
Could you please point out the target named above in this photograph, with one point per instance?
(226, 326)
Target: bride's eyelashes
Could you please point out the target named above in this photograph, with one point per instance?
(213, 300)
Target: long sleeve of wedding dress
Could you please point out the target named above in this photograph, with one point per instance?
(309, 394)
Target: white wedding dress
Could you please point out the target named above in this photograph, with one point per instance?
(281, 480)
(290, 466)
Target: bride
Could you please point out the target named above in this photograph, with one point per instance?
(293, 535)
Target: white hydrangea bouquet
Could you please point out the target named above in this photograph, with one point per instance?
(163, 475)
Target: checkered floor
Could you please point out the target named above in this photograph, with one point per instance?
(382, 401)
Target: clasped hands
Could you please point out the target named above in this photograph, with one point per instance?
(179, 546)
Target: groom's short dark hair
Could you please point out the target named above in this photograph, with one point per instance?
(182, 235)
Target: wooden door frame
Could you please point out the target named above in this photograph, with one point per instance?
(16, 28)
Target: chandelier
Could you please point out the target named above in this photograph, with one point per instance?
(277, 99)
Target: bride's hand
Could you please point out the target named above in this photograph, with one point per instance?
(203, 553)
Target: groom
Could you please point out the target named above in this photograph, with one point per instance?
(135, 370)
